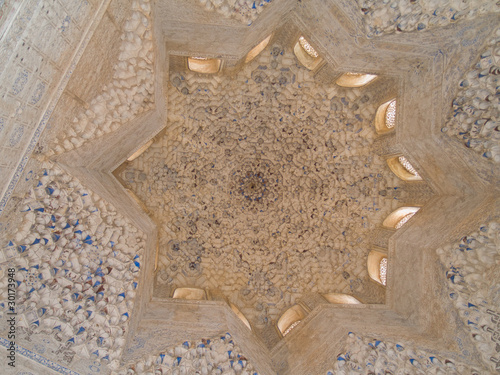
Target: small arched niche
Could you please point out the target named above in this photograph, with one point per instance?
(204, 65)
(399, 217)
(341, 298)
(291, 318)
(190, 293)
(240, 315)
(377, 266)
(385, 118)
(306, 54)
(254, 52)
(403, 169)
(140, 151)
(350, 79)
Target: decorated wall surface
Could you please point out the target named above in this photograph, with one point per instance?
(386, 17)
(476, 114)
(76, 266)
(472, 273)
(129, 92)
(217, 355)
(40, 43)
(366, 355)
(245, 11)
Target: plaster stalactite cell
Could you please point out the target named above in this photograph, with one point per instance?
(371, 356)
(78, 265)
(472, 268)
(245, 11)
(218, 355)
(251, 182)
(130, 93)
(476, 115)
(386, 17)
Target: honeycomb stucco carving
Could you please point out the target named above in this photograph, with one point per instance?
(217, 355)
(475, 117)
(129, 94)
(385, 17)
(264, 186)
(364, 355)
(472, 268)
(77, 267)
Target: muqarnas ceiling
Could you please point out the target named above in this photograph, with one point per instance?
(265, 185)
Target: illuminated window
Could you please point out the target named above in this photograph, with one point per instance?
(240, 315)
(385, 119)
(290, 319)
(355, 79)
(204, 65)
(377, 266)
(399, 217)
(403, 169)
(307, 47)
(383, 271)
(406, 164)
(257, 49)
(390, 114)
(340, 298)
(190, 293)
(306, 54)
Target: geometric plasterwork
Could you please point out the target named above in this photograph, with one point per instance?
(212, 136)
(266, 193)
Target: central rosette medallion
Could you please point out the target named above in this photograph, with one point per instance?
(256, 185)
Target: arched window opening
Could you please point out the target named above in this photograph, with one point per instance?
(403, 169)
(340, 298)
(306, 54)
(290, 319)
(399, 217)
(377, 266)
(355, 79)
(385, 119)
(240, 315)
(406, 164)
(204, 65)
(190, 293)
(254, 52)
(139, 152)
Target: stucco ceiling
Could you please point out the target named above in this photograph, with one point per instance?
(266, 184)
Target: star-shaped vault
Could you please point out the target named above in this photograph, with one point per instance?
(275, 194)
